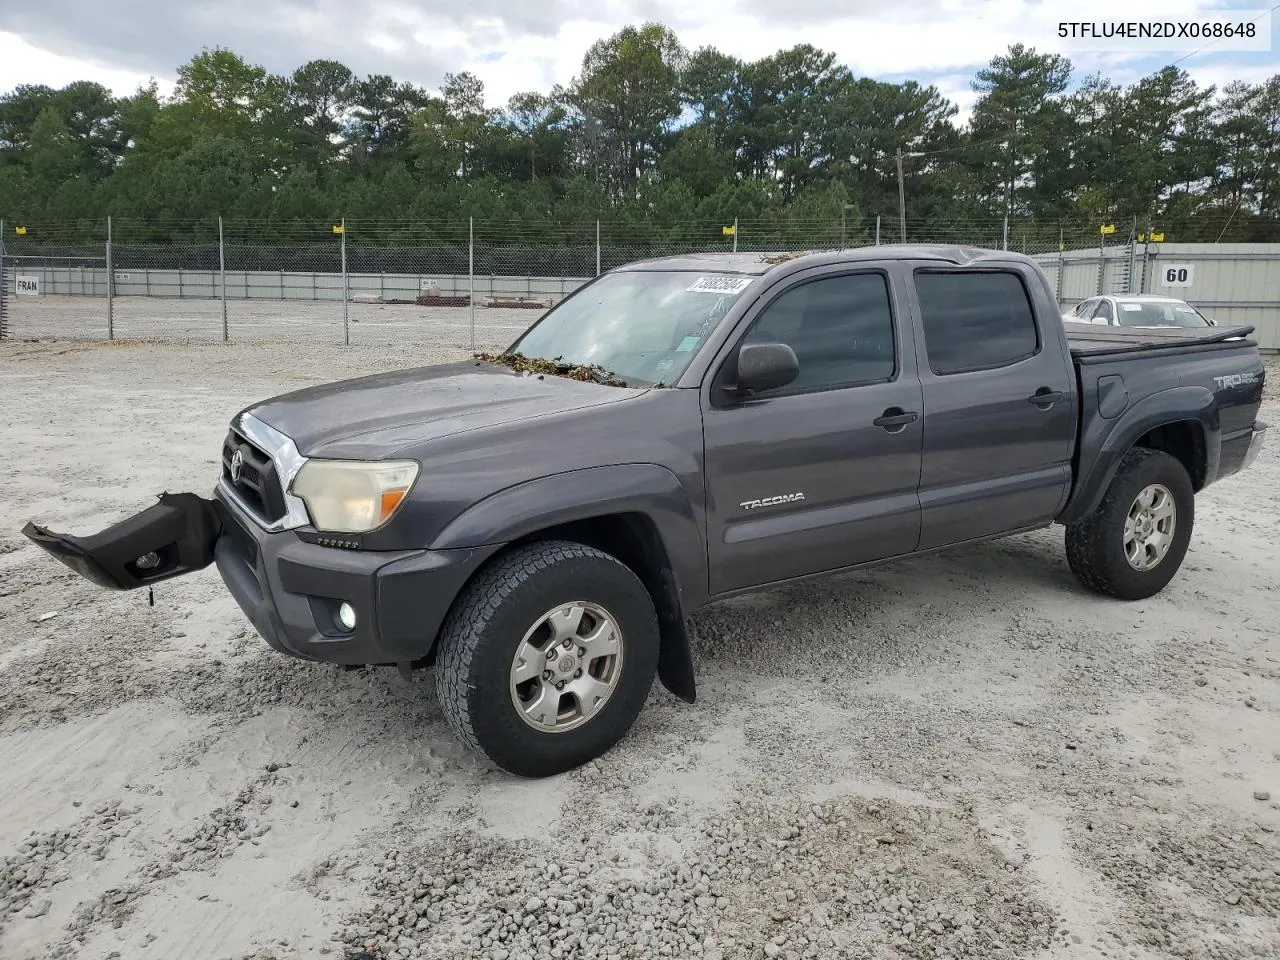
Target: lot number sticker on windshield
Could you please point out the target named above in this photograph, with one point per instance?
(1131, 306)
(719, 285)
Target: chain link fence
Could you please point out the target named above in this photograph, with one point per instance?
(463, 283)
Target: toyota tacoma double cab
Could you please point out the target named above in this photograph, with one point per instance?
(537, 525)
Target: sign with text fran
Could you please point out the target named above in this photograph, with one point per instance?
(28, 285)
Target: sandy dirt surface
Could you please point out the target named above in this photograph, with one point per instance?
(960, 756)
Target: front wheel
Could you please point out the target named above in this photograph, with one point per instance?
(547, 657)
(1134, 541)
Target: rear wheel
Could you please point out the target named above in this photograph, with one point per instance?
(1133, 543)
(547, 657)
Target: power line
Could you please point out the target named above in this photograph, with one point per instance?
(1216, 39)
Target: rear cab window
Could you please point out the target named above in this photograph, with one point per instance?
(975, 319)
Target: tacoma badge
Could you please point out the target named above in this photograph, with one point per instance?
(771, 501)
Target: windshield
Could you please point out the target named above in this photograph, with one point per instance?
(1155, 314)
(644, 326)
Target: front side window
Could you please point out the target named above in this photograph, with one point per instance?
(643, 326)
(1104, 311)
(975, 320)
(841, 329)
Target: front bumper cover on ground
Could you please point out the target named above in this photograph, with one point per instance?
(168, 539)
(288, 588)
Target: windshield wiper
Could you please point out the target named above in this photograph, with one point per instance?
(588, 373)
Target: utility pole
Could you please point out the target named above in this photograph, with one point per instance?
(902, 203)
(844, 226)
(902, 197)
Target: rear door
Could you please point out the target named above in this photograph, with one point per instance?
(999, 389)
(821, 473)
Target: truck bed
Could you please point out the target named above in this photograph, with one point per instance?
(1089, 342)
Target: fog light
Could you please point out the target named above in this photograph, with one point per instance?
(347, 616)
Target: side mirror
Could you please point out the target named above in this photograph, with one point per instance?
(1212, 322)
(766, 366)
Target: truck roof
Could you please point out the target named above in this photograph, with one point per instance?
(757, 263)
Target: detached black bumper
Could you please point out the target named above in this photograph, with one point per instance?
(291, 590)
(288, 588)
(168, 539)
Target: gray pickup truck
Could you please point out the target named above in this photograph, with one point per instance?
(539, 524)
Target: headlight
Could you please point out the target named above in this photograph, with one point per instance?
(353, 496)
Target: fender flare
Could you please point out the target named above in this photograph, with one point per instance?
(1175, 405)
(641, 488)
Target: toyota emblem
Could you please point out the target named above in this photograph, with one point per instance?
(237, 464)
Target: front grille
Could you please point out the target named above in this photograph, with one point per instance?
(259, 484)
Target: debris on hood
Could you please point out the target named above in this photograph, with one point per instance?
(540, 365)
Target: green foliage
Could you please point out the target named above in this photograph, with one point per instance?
(669, 143)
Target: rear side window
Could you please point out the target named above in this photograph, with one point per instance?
(975, 321)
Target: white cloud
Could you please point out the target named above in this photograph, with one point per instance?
(1220, 73)
(21, 62)
(941, 41)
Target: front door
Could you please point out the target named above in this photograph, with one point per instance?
(821, 473)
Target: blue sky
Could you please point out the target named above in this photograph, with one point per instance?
(515, 45)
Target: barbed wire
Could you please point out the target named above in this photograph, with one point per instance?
(313, 244)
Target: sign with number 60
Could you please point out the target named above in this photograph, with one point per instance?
(1178, 274)
(27, 285)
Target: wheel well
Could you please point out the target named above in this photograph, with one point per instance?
(634, 540)
(1184, 441)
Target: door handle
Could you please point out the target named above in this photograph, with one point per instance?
(895, 417)
(1044, 397)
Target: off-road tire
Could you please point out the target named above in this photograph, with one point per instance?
(1095, 544)
(486, 624)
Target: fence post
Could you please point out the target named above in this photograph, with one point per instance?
(1133, 255)
(222, 280)
(597, 248)
(111, 323)
(735, 234)
(1146, 262)
(877, 229)
(1006, 231)
(1062, 262)
(471, 276)
(346, 322)
(1102, 262)
(3, 324)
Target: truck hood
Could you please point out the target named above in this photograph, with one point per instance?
(376, 416)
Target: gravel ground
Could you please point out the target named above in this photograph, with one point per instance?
(964, 755)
